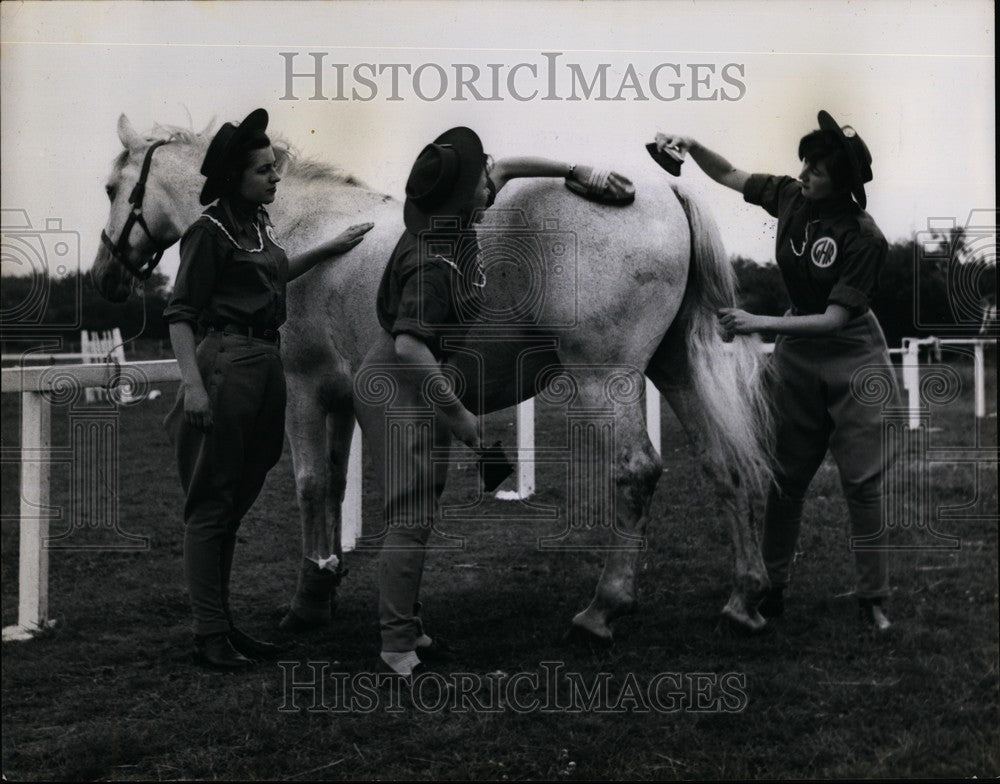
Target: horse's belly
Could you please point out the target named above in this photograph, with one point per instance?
(499, 370)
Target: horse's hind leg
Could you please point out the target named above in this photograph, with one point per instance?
(750, 581)
(319, 457)
(634, 468)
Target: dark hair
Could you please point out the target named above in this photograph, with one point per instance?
(822, 146)
(240, 159)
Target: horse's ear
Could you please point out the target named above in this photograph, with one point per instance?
(127, 134)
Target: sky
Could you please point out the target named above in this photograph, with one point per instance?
(916, 79)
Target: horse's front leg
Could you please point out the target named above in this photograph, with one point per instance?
(316, 463)
(623, 455)
(750, 581)
(339, 435)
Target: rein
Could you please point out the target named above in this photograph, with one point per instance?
(119, 250)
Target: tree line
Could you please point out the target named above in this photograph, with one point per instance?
(927, 284)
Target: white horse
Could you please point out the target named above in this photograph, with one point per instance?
(578, 295)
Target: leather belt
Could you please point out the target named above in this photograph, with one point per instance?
(270, 335)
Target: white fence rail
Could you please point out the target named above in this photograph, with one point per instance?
(35, 385)
(911, 383)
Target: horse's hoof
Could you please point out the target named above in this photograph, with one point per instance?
(743, 614)
(746, 623)
(580, 635)
(296, 624)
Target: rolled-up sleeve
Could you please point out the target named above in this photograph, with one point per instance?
(769, 191)
(201, 262)
(424, 304)
(863, 259)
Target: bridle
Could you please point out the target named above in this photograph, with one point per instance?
(119, 250)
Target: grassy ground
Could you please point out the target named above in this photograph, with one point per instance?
(110, 692)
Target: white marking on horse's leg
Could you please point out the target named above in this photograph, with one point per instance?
(637, 468)
(306, 428)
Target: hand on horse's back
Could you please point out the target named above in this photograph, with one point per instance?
(350, 237)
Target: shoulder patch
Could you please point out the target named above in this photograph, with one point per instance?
(824, 252)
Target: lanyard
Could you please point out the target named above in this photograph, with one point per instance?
(805, 240)
(479, 268)
(256, 225)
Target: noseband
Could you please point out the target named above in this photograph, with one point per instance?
(119, 250)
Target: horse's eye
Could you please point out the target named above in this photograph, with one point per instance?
(110, 190)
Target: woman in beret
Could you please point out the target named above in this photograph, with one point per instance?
(829, 252)
(227, 425)
(429, 295)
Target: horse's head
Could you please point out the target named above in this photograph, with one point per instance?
(153, 188)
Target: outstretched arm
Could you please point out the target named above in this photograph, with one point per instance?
(713, 164)
(339, 245)
(507, 169)
(738, 322)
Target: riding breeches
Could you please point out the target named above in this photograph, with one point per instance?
(409, 449)
(817, 407)
(222, 471)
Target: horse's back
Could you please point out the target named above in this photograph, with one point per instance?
(572, 281)
(567, 281)
(601, 267)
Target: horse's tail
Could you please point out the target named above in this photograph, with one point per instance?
(728, 378)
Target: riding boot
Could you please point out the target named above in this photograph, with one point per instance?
(216, 650)
(251, 648)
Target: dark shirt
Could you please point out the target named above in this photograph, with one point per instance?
(829, 252)
(431, 288)
(220, 283)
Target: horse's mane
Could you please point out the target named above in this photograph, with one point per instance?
(287, 158)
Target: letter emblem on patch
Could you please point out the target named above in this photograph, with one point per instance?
(824, 252)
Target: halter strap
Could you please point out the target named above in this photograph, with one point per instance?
(119, 249)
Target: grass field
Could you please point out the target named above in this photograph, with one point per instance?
(110, 692)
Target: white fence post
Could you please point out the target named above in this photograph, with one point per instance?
(90, 355)
(33, 567)
(653, 416)
(525, 454)
(350, 510)
(911, 379)
(979, 364)
(526, 448)
(911, 372)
